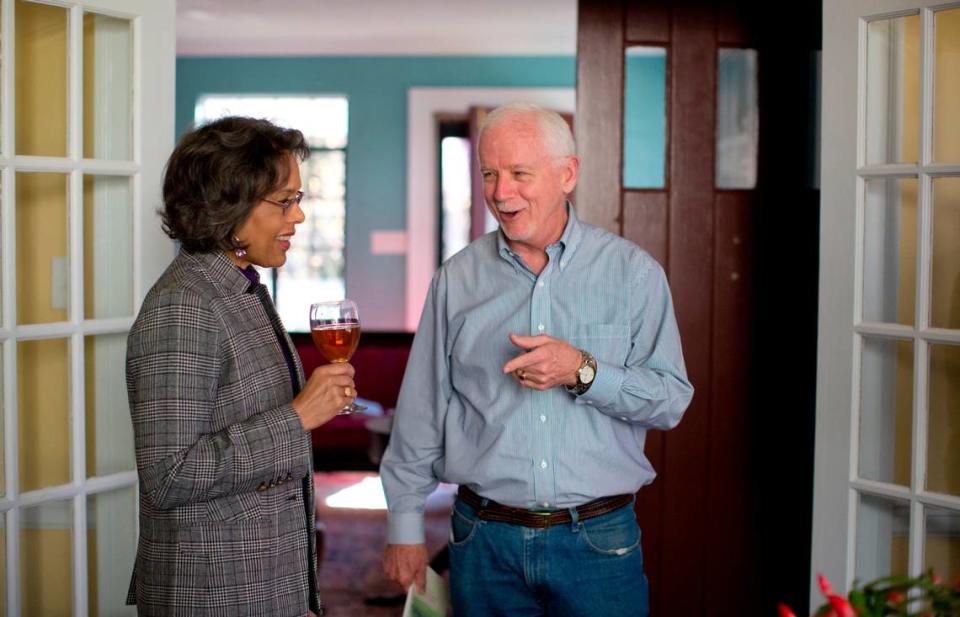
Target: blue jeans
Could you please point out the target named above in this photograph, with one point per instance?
(581, 568)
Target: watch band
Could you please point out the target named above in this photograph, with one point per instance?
(586, 360)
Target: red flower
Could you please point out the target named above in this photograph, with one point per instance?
(784, 610)
(895, 597)
(824, 585)
(841, 607)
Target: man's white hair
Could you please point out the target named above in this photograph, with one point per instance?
(554, 130)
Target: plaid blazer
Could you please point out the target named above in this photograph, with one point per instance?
(226, 489)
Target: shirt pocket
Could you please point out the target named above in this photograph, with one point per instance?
(608, 343)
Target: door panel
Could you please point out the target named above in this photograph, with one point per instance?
(886, 496)
(87, 122)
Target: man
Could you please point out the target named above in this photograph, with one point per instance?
(544, 353)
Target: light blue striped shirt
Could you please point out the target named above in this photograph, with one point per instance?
(459, 419)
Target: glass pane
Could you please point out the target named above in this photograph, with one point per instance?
(3, 563)
(945, 284)
(46, 559)
(107, 247)
(946, 85)
(890, 250)
(43, 396)
(107, 87)
(41, 79)
(943, 448)
(314, 268)
(644, 117)
(886, 410)
(3, 414)
(883, 531)
(455, 159)
(893, 90)
(738, 119)
(941, 550)
(322, 119)
(109, 431)
(111, 548)
(43, 270)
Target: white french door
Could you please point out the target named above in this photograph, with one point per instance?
(86, 121)
(887, 477)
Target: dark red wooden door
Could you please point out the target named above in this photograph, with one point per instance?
(706, 516)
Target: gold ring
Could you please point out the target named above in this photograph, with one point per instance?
(521, 374)
(346, 391)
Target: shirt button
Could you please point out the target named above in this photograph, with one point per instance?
(546, 504)
(543, 464)
(589, 402)
(624, 418)
(539, 283)
(543, 418)
(563, 262)
(540, 327)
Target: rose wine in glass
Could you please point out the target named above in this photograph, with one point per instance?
(335, 328)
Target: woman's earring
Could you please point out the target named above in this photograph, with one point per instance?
(239, 252)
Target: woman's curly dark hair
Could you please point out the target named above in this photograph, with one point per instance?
(218, 173)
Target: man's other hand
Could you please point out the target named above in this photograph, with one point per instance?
(405, 564)
(545, 363)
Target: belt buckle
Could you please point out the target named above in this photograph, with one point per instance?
(542, 519)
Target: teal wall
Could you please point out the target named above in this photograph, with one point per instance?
(376, 87)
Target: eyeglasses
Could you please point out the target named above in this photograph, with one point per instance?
(287, 203)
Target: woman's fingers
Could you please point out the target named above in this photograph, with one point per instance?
(335, 368)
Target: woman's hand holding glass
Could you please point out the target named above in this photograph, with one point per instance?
(335, 328)
(329, 389)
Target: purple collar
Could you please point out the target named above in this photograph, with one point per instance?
(252, 275)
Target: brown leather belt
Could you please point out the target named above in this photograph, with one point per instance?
(500, 513)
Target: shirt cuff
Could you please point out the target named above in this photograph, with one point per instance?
(605, 386)
(405, 528)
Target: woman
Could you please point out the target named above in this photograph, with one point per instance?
(221, 411)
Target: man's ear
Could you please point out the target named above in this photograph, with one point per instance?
(570, 169)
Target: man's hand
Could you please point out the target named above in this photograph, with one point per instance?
(405, 564)
(545, 363)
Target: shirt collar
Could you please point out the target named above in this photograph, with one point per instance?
(568, 242)
(252, 275)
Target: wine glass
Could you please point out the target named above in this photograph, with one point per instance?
(335, 328)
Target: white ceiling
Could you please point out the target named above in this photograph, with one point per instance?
(376, 27)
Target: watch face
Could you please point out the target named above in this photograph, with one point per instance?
(586, 374)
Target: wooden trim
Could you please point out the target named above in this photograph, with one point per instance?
(599, 130)
(645, 220)
(690, 254)
(647, 24)
(478, 207)
(730, 550)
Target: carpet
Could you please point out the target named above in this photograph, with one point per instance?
(354, 537)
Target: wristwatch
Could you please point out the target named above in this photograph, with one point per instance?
(585, 374)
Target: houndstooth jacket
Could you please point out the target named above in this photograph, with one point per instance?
(226, 491)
